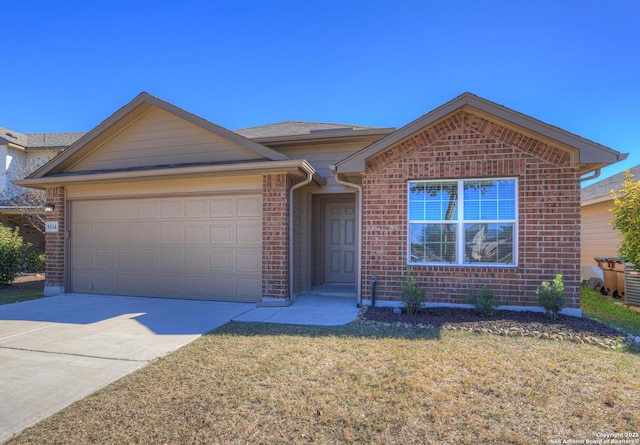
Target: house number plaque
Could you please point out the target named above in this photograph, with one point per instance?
(51, 226)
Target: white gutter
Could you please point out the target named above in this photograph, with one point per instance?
(359, 249)
(594, 175)
(291, 238)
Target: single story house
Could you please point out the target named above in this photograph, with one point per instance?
(599, 238)
(158, 202)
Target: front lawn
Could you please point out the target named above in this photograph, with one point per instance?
(26, 287)
(259, 383)
(610, 312)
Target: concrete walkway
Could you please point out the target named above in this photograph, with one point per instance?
(54, 351)
(307, 310)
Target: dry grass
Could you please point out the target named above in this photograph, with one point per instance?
(255, 383)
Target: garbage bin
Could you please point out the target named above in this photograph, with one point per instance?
(613, 270)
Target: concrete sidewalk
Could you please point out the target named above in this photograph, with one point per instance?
(56, 350)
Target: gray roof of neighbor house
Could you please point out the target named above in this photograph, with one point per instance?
(39, 140)
(13, 137)
(602, 189)
(52, 140)
(292, 128)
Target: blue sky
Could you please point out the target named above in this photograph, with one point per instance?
(573, 64)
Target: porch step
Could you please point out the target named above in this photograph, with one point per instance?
(332, 290)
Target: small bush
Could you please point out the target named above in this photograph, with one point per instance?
(551, 296)
(35, 262)
(484, 303)
(412, 295)
(12, 253)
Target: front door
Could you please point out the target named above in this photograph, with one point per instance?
(339, 242)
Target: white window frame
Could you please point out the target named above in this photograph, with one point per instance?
(460, 224)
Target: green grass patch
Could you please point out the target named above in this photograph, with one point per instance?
(16, 296)
(596, 306)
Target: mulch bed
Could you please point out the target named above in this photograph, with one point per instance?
(25, 282)
(507, 323)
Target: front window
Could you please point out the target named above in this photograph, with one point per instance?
(463, 222)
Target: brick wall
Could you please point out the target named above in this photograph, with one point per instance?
(275, 242)
(467, 146)
(55, 248)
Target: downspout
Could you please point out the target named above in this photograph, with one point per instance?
(359, 250)
(291, 256)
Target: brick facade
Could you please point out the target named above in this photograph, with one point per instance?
(275, 242)
(55, 243)
(468, 146)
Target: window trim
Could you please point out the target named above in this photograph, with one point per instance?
(460, 223)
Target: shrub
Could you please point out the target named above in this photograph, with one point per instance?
(484, 303)
(551, 297)
(412, 295)
(12, 253)
(35, 262)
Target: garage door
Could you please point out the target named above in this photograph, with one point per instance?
(197, 247)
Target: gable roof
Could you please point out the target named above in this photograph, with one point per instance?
(590, 156)
(135, 109)
(600, 191)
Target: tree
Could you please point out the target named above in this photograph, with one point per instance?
(626, 218)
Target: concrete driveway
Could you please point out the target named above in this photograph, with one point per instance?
(57, 350)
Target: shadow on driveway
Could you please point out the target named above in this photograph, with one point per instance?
(161, 316)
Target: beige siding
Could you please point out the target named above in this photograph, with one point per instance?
(160, 138)
(172, 187)
(598, 238)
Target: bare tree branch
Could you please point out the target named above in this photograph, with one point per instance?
(25, 201)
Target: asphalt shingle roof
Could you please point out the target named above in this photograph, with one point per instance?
(40, 140)
(602, 188)
(13, 137)
(44, 140)
(293, 128)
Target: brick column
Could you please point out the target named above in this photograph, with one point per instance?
(275, 240)
(54, 244)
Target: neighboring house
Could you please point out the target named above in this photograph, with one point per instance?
(20, 154)
(599, 238)
(158, 202)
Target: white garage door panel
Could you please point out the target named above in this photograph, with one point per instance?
(201, 247)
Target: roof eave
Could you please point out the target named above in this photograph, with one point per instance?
(299, 169)
(596, 200)
(313, 138)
